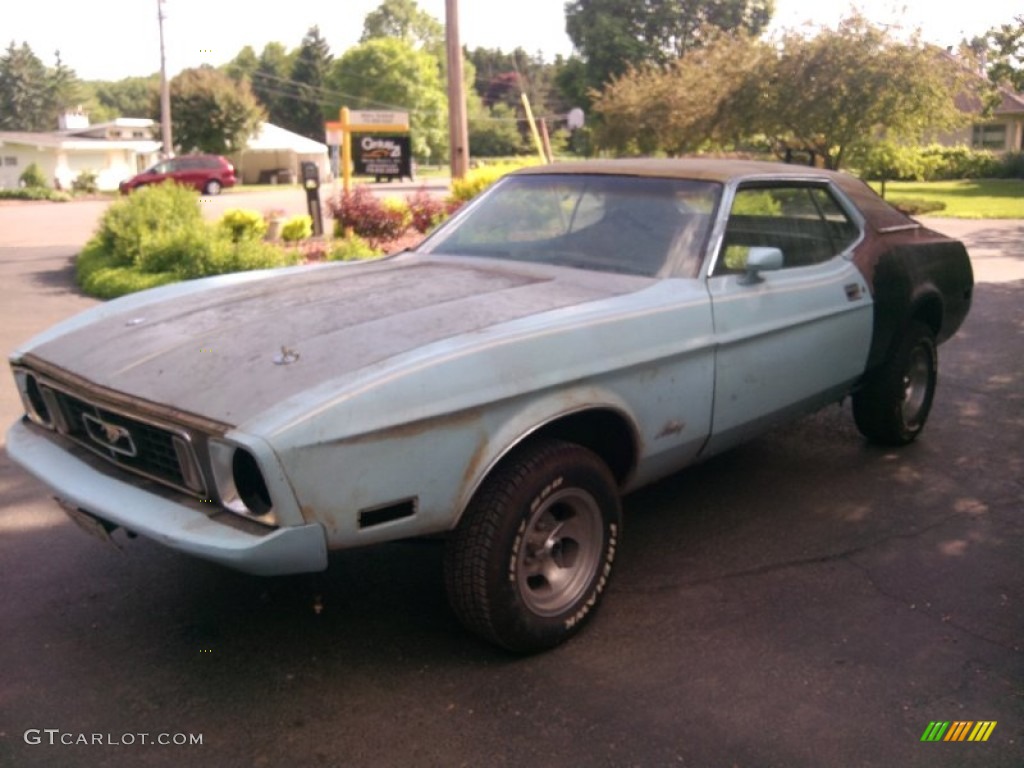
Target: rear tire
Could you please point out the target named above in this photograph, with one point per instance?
(532, 556)
(893, 405)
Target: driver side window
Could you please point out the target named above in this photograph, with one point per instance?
(805, 222)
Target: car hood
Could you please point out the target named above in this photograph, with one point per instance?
(229, 352)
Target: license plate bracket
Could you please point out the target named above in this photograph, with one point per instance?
(92, 525)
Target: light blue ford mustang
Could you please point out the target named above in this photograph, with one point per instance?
(576, 332)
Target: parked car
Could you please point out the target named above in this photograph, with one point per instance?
(207, 173)
(574, 333)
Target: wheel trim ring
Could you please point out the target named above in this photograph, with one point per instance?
(548, 582)
(916, 382)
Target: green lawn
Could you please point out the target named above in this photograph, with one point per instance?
(969, 199)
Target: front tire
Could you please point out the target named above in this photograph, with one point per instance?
(212, 187)
(532, 556)
(893, 405)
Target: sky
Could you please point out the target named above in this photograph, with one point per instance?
(111, 39)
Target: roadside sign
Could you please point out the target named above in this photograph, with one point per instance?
(375, 117)
(333, 132)
(373, 122)
(383, 156)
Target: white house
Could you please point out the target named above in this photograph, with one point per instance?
(1004, 130)
(114, 151)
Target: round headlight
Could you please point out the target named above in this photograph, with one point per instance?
(249, 483)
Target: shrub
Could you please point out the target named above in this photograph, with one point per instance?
(479, 179)
(897, 162)
(35, 193)
(946, 163)
(352, 248)
(367, 216)
(157, 236)
(85, 183)
(92, 259)
(917, 207)
(241, 224)
(111, 282)
(32, 177)
(426, 211)
(150, 213)
(210, 251)
(399, 211)
(1012, 166)
(297, 228)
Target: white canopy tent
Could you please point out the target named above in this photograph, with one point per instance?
(274, 155)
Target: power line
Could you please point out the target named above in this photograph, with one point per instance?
(331, 93)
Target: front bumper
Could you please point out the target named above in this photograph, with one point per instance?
(73, 479)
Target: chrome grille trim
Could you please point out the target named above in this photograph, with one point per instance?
(159, 451)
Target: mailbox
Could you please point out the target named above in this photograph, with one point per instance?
(310, 175)
(311, 183)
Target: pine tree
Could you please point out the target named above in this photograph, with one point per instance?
(304, 111)
(25, 103)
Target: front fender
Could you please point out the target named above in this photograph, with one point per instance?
(535, 417)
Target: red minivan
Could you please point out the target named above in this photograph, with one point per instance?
(207, 173)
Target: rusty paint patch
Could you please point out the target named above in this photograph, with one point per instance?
(670, 429)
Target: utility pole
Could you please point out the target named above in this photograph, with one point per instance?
(458, 134)
(165, 91)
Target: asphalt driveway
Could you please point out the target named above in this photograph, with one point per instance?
(804, 600)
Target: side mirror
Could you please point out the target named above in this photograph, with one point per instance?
(760, 260)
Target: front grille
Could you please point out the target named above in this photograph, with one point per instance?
(159, 453)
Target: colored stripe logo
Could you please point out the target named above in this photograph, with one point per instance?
(958, 730)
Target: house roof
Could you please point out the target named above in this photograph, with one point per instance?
(65, 141)
(1011, 103)
(271, 138)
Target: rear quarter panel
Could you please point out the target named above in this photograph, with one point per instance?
(916, 274)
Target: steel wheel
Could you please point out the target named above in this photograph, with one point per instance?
(893, 404)
(561, 552)
(532, 555)
(917, 385)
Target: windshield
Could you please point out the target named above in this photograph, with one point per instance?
(628, 224)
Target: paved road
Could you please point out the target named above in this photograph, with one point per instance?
(805, 600)
(71, 224)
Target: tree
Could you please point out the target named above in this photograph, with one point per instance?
(210, 112)
(243, 66)
(494, 132)
(129, 97)
(832, 95)
(305, 105)
(693, 102)
(271, 81)
(388, 73)
(1002, 49)
(404, 19)
(612, 35)
(32, 97)
(64, 89)
(845, 88)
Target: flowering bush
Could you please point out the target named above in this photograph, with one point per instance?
(297, 228)
(243, 225)
(479, 179)
(353, 248)
(367, 216)
(427, 211)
